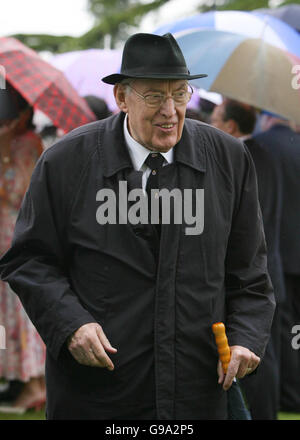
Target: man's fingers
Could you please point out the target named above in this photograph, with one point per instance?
(229, 376)
(248, 365)
(220, 372)
(88, 345)
(84, 357)
(101, 356)
(104, 341)
(242, 362)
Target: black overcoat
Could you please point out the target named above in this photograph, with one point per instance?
(281, 142)
(270, 197)
(156, 300)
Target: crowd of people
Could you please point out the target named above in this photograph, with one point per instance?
(272, 149)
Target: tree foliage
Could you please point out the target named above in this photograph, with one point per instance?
(250, 5)
(112, 17)
(117, 18)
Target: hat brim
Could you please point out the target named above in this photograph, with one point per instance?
(118, 77)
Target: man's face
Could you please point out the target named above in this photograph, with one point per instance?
(217, 118)
(160, 128)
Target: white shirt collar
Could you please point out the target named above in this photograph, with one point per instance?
(138, 153)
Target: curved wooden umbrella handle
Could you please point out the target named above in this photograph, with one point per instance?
(222, 344)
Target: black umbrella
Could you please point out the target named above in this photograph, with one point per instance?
(236, 406)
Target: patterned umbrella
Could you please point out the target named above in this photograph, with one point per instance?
(246, 69)
(43, 86)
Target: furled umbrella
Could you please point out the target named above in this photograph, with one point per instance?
(246, 69)
(43, 86)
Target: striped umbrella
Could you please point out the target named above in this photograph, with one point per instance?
(246, 69)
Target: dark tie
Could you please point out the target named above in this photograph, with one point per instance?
(154, 162)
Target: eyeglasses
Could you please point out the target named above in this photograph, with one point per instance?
(154, 100)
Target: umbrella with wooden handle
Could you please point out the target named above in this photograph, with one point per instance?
(237, 409)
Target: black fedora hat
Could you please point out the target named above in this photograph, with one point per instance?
(152, 56)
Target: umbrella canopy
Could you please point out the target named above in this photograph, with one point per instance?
(85, 68)
(245, 69)
(43, 86)
(263, 26)
(290, 14)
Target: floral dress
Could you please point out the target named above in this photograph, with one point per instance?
(24, 355)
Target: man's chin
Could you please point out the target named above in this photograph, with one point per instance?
(163, 147)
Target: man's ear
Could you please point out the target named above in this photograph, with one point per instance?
(120, 94)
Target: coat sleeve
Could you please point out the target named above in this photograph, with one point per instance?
(250, 302)
(35, 265)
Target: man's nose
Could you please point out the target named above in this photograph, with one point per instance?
(168, 107)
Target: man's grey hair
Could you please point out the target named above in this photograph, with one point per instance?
(127, 82)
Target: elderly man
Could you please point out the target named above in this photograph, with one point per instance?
(124, 305)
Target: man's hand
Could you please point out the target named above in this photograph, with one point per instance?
(242, 362)
(88, 345)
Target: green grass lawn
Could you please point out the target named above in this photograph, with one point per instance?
(288, 416)
(29, 415)
(40, 415)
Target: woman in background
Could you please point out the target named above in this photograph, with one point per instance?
(24, 357)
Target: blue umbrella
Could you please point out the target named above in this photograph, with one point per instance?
(246, 69)
(290, 14)
(254, 25)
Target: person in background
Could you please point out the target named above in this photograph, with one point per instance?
(22, 363)
(202, 112)
(239, 119)
(98, 106)
(281, 138)
(206, 108)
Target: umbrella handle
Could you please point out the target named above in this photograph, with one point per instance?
(222, 344)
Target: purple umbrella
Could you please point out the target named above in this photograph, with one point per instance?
(85, 68)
